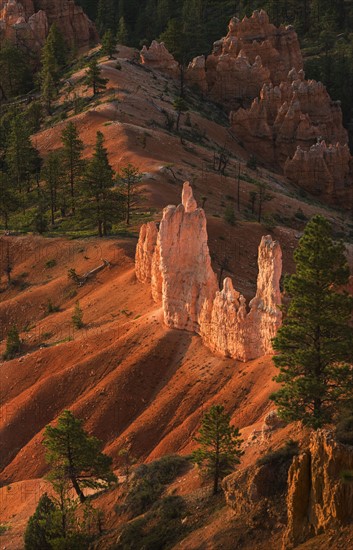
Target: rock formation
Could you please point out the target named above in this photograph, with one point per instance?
(256, 71)
(322, 170)
(296, 113)
(27, 23)
(158, 57)
(318, 498)
(177, 263)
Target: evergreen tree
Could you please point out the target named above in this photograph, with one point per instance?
(180, 107)
(123, 33)
(9, 201)
(220, 445)
(109, 44)
(77, 317)
(15, 72)
(72, 156)
(99, 203)
(40, 527)
(13, 344)
(93, 77)
(315, 342)
(129, 180)
(53, 175)
(21, 156)
(75, 456)
(56, 43)
(106, 16)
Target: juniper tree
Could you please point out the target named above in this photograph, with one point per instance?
(315, 343)
(75, 456)
(220, 445)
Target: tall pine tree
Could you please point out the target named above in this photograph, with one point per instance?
(315, 342)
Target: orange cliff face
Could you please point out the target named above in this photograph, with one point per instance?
(28, 23)
(176, 261)
(256, 72)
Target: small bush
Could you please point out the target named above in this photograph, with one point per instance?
(77, 317)
(150, 480)
(13, 344)
(252, 163)
(51, 308)
(50, 263)
(281, 455)
(229, 214)
(300, 215)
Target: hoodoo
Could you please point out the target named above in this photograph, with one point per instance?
(176, 262)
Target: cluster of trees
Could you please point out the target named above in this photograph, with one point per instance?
(64, 186)
(76, 461)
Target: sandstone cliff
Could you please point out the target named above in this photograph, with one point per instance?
(177, 264)
(27, 23)
(158, 57)
(318, 498)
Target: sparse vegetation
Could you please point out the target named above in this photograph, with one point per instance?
(13, 344)
(77, 317)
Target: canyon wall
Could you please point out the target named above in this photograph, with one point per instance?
(27, 23)
(175, 261)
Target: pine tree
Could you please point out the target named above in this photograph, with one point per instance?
(220, 445)
(9, 201)
(315, 342)
(75, 456)
(129, 180)
(72, 156)
(109, 44)
(106, 16)
(93, 77)
(15, 72)
(77, 317)
(53, 176)
(13, 344)
(21, 156)
(180, 107)
(40, 526)
(99, 203)
(123, 33)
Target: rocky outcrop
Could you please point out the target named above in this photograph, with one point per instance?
(231, 329)
(178, 265)
(158, 57)
(27, 23)
(321, 170)
(318, 497)
(253, 53)
(296, 113)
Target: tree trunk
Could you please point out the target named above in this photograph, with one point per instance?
(77, 488)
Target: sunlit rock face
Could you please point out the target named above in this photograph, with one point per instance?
(27, 23)
(318, 499)
(177, 264)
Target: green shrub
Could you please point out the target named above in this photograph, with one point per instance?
(51, 308)
(77, 317)
(149, 482)
(50, 263)
(281, 455)
(229, 214)
(13, 344)
(252, 163)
